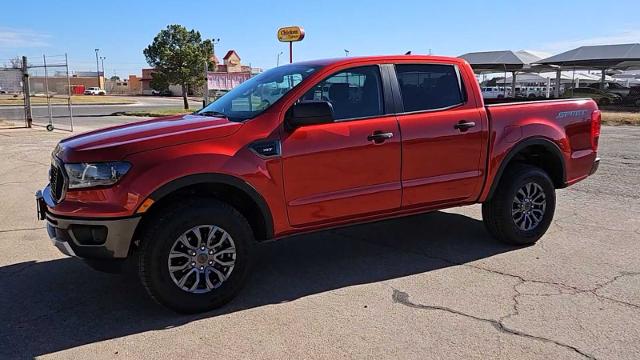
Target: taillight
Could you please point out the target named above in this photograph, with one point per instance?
(596, 119)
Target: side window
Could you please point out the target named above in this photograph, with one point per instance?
(353, 93)
(428, 86)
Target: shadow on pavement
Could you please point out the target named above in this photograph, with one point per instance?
(56, 305)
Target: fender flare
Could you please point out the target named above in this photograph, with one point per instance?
(214, 178)
(546, 143)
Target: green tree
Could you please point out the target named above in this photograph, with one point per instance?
(159, 82)
(115, 78)
(178, 56)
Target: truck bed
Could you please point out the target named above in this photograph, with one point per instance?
(566, 122)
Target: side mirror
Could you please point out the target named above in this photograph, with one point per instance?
(310, 113)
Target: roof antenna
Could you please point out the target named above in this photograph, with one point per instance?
(408, 52)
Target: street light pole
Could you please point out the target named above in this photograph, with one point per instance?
(346, 52)
(98, 67)
(213, 49)
(278, 58)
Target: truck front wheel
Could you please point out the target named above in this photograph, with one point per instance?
(522, 206)
(196, 256)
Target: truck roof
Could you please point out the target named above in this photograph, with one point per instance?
(383, 58)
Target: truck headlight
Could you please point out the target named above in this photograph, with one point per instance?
(84, 175)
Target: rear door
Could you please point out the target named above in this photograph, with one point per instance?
(342, 169)
(441, 136)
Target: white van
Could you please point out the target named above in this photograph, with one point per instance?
(495, 92)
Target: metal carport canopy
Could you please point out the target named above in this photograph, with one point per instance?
(596, 57)
(501, 61)
(600, 57)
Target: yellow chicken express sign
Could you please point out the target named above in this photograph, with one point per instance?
(290, 34)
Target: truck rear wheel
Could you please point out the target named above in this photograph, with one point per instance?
(197, 256)
(522, 206)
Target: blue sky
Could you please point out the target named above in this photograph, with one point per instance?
(122, 29)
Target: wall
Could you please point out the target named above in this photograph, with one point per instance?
(135, 86)
(233, 63)
(59, 85)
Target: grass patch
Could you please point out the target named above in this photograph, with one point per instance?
(617, 117)
(155, 112)
(8, 100)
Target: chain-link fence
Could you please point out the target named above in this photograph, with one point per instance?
(50, 92)
(13, 109)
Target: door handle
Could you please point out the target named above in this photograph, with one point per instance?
(379, 137)
(464, 125)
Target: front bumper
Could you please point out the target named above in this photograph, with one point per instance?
(87, 238)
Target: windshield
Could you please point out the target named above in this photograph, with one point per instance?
(255, 95)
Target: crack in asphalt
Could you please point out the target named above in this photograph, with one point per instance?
(34, 162)
(560, 222)
(403, 298)
(11, 183)
(611, 281)
(574, 289)
(22, 229)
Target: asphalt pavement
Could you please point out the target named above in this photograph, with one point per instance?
(431, 286)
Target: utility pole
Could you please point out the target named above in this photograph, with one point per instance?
(104, 75)
(205, 96)
(26, 92)
(98, 67)
(278, 58)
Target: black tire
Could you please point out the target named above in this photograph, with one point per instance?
(604, 102)
(497, 212)
(160, 236)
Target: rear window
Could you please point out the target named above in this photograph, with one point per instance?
(429, 86)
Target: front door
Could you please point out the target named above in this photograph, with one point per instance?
(342, 170)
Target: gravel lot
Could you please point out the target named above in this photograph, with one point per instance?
(428, 286)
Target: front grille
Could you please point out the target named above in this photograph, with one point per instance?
(56, 180)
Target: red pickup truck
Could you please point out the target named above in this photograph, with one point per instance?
(304, 147)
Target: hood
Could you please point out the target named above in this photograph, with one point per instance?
(115, 143)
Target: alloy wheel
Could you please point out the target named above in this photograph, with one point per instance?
(529, 206)
(202, 259)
